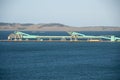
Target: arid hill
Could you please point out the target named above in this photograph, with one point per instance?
(54, 27)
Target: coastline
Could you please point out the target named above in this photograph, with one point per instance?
(61, 29)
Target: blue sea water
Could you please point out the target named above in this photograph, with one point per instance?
(59, 60)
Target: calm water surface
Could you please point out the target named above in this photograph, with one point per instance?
(59, 60)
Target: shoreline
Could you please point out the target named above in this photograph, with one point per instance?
(59, 30)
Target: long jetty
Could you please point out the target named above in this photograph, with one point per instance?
(18, 36)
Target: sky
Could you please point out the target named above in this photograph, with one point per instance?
(77, 13)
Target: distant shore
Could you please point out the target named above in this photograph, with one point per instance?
(53, 27)
(61, 29)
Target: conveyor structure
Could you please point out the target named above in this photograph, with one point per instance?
(73, 36)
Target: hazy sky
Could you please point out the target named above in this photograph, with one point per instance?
(69, 12)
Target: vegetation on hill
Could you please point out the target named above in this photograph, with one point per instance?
(30, 24)
(6, 24)
(54, 24)
(27, 24)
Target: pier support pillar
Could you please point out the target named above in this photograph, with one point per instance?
(20, 39)
(9, 37)
(26, 39)
(70, 39)
(50, 39)
(112, 38)
(63, 39)
(38, 39)
(15, 39)
(76, 39)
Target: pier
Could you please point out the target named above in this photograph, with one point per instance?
(54, 41)
(18, 36)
